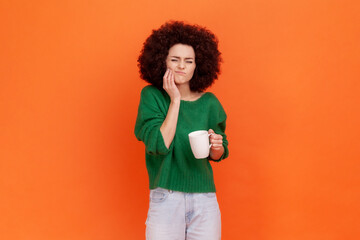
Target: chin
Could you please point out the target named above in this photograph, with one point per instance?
(180, 80)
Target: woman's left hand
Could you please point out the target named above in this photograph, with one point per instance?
(217, 148)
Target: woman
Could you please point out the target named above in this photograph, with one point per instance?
(180, 61)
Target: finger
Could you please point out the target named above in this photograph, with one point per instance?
(172, 78)
(168, 79)
(215, 148)
(217, 137)
(166, 74)
(216, 140)
(165, 82)
(211, 131)
(216, 144)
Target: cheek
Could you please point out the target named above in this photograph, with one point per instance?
(170, 65)
(192, 71)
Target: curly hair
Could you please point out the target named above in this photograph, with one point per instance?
(152, 59)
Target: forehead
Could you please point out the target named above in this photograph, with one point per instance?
(182, 50)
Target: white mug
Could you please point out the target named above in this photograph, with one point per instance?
(199, 142)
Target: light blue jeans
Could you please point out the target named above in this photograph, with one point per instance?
(183, 216)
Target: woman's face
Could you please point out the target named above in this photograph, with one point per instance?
(181, 59)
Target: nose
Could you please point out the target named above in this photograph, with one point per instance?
(181, 65)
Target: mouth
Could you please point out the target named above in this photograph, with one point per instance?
(181, 73)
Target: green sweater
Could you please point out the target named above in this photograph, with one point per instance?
(176, 168)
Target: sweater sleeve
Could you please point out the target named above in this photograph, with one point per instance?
(149, 120)
(220, 129)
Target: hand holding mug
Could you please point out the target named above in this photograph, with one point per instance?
(217, 148)
(215, 140)
(204, 143)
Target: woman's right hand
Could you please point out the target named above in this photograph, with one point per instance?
(168, 127)
(170, 86)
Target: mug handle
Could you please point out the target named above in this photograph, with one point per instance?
(209, 134)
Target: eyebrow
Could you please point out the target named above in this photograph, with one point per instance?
(179, 57)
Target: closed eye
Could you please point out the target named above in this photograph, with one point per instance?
(175, 60)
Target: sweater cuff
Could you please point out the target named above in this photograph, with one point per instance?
(162, 149)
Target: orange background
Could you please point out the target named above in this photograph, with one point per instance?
(71, 167)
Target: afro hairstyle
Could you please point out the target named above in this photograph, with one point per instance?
(152, 58)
